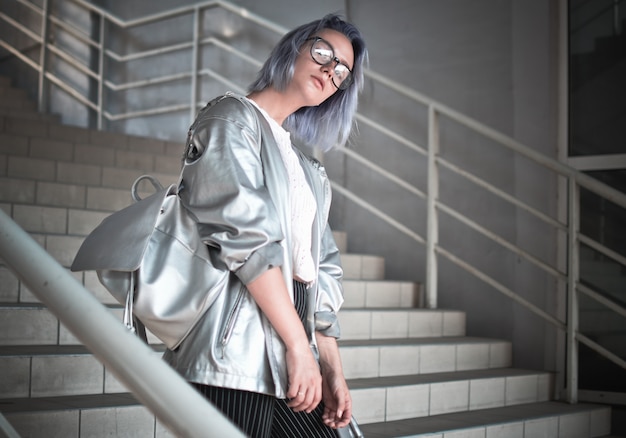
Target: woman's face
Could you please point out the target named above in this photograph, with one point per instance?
(313, 81)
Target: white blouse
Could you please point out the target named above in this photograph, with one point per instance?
(301, 202)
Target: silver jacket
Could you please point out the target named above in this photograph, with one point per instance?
(235, 183)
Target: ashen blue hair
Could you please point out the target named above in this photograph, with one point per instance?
(330, 123)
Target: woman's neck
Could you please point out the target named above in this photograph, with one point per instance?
(277, 105)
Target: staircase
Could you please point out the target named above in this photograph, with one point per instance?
(412, 371)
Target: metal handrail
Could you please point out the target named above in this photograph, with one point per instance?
(175, 403)
(598, 247)
(7, 428)
(436, 111)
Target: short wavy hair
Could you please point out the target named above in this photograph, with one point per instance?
(330, 123)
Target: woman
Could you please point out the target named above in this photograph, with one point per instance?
(266, 352)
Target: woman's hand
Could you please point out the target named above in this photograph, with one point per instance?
(305, 381)
(337, 401)
(335, 392)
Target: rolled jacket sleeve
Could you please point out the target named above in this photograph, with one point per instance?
(223, 185)
(330, 291)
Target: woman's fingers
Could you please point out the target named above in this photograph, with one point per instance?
(306, 399)
(305, 381)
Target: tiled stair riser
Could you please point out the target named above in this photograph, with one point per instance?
(35, 325)
(435, 398)
(56, 376)
(52, 131)
(400, 323)
(46, 170)
(380, 294)
(126, 421)
(393, 360)
(363, 267)
(136, 421)
(544, 419)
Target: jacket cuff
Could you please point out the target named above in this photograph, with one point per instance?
(327, 324)
(264, 259)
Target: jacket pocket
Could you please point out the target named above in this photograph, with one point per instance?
(231, 319)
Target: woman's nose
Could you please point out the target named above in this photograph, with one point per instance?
(326, 69)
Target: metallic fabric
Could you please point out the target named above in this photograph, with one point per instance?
(234, 182)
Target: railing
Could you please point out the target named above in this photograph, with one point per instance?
(566, 276)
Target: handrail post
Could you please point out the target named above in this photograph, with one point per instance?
(572, 282)
(562, 197)
(193, 98)
(42, 99)
(432, 233)
(101, 72)
(175, 403)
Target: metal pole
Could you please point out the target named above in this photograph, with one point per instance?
(432, 233)
(194, 65)
(175, 403)
(572, 302)
(562, 190)
(101, 73)
(6, 429)
(42, 97)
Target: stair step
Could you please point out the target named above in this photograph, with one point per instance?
(381, 293)
(546, 419)
(51, 170)
(55, 194)
(9, 93)
(29, 112)
(400, 323)
(60, 220)
(14, 99)
(55, 220)
(55, 371)
(395, 398)
(81, 152)
(33, 324)
(363, 267)
(15, 125)
(396, 357)
(82, 416)
(15, 293)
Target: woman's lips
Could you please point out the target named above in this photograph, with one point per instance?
(319, 82)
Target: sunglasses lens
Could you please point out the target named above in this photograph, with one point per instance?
(342, 77)
(322, 53)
